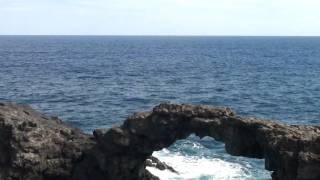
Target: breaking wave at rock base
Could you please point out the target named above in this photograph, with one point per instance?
(193, 159)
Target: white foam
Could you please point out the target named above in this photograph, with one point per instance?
(193, 167)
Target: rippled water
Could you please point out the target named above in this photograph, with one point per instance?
(95, 82)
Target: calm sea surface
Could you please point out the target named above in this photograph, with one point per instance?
(93, 82)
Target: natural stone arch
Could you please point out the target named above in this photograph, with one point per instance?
(286, 149)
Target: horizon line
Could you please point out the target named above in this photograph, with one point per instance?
(156, 35)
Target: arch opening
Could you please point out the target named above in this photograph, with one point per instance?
(205, 158)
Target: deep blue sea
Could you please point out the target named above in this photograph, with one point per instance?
(97, 81)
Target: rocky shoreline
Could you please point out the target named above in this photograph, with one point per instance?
(37, 147)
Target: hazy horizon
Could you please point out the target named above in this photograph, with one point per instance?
(160, 17)
(151, 35)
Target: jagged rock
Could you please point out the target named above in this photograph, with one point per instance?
(156, 163)
(37, 147)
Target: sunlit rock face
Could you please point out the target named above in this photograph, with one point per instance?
(291, 152)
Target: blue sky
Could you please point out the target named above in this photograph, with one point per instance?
(160, 17)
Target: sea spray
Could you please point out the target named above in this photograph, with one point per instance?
(195, 158)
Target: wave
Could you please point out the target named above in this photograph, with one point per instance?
(194, 167)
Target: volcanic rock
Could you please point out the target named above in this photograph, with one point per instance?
(37, 147)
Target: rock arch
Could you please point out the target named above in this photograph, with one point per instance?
(37, 147)
(291, 152)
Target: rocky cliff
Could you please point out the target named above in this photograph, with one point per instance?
(36, 147)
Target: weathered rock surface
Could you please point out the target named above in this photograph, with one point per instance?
(36, 147)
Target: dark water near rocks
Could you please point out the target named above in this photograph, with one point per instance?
(95, 82)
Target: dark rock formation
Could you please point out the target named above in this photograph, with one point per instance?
(36, 147)
(33, 146)
(155, 162)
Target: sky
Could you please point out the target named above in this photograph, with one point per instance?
(160, 17)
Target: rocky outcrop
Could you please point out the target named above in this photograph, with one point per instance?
(38, 147)
(155, 162)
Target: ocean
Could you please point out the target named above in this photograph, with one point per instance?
(97, 81)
